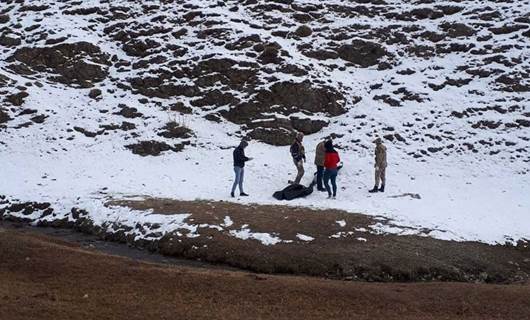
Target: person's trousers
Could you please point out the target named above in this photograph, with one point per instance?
(331, 174)
(239, 176)
(320, 175)
(300, 171)
(380, 175)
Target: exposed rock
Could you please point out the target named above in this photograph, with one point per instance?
(271, 54)
(95, 93)
(34, 7)
(84, 11)
(17, 99)
(303, 31)
(140, 48)
(4, 117)
(321, 54)
(455, 30)
(433, 36)
(125, 126)
(173, 130)
(39, 118)
(152, 148)
(513, 83)
(307, 126)
(4, 18)
(486, 124)
(388, 100)
(505, 29)
(68, 60)
(88, 133)
(155, 87)
(215, 98)
(244, 42)
(292, 69)
(128, 112)
(273, 136)
(290, 97)
(523, 122)
(7, 41)
(180, 107)
(362, 53)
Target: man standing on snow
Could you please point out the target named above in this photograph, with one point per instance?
(239, 168)
(380, 166)
(298, 154)
(320, 155)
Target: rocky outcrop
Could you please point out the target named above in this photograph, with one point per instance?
(362, 53)
(287, 98)
(153, 148)
(173, 130)
(4, 117)
(17, 99)
(80, 63)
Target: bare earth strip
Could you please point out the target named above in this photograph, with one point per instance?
(45, 278)
(339, 250)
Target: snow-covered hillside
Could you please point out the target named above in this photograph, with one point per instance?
(113, 99)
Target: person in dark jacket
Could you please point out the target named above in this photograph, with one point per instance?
(239, 168)
(331, 163)
(298, 155)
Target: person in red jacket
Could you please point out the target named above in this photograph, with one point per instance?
(331, 162)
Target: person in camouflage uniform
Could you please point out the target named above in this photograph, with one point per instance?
(298, 155)
(380, 166)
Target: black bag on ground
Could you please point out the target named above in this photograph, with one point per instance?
(294, 191)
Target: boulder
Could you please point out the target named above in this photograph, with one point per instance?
(457, 30)
(271, 54)
(307, 126)
(128, 112)
(362, 53)
(7, 41)
(173, 130)
(140, 48)
(4, 117)
(303, 31)
(17, 99)
(94, 94)
(272, 136)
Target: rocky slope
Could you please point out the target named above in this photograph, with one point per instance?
(442, 82)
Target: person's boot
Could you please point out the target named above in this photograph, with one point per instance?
(375, 189)
(243, 194)
(232, 194)
(382, 189)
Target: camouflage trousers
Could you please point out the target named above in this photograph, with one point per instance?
(380, 174)
(300, 171)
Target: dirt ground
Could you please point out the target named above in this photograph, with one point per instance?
(43, 277)
(376, 257)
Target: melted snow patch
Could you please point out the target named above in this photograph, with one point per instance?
(227, 222)
(245, 233)
(380, 228)
(341, 234)
(303, 237)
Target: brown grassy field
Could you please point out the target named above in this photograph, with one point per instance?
(43, 277)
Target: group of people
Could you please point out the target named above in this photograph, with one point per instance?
(327, 162)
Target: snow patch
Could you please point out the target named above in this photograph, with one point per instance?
(304, 237)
